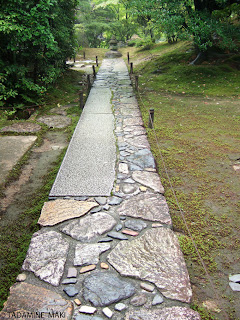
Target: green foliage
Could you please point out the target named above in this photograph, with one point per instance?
(36, 39)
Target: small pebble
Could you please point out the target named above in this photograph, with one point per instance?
(235, 278)
(130, 232)
(120, 307)
(87, 268)
(122, 218)
(157, 300)
(87, 309)
(106, 207)
(101, 200)
(21, 277)
(156, 225)
(138, 301)
(117, 235)
(104, 265)
(117, 188)
(72, 273)
(143, 189)
(69, 281)
(147, 287)
(71, 291)
(78, 302)
(234, 286)
(106, 239)
(119, 227)
(96, 209)
(108, 313)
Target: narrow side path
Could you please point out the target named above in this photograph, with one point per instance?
(98, 255)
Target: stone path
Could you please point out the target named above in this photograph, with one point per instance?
(100, 255)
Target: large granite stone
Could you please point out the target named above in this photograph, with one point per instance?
(59, 210)
(46, 256)
(86, 254)
(142, 158)
(149, 179)
(172, 313)
(89, 227)
(156, 256)
(139, 142)
(105, 288)
(148, 206)
(26, 298)
(55, 121)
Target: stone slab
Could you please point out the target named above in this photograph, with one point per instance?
(148, 206)
(59, 210)
(88, 254)
(12, 149)
(89, 227)
(22, 127)
(46, 256)
(172, 313)
(26, 298)
(57, 121)
(149, 179)
(143, 159)
(156, 257)
(105, 288)
(88, 168)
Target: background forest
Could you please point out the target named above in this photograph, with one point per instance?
(38, 36)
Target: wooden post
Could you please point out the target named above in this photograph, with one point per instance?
(128, 57)
(81, 100)
(88, 82)
(151, 118)
(97, 61)
(84, 55)
(94, 71)
(131, 68)
(136, 82)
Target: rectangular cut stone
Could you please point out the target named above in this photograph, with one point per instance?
(87, 268)
(87, 309)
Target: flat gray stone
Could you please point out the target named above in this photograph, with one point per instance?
(134, 167)
(27, 298)
(46, 256)
(142, 158)
(55, 121)
(106, 239)
(234, 286)
(172, 313)
(71, 291)
(22, 127)
(69, 281)
(139, 300)
(90, 226)
(120, 306)
(157, 300)
(101, 200)
(235, 278)
(12, 149)
(86, 254)
(105, 288)
(118, 227)
(139, 142)
(128, 188)
(155, 257)
(72, 273)
(117, 235)
(149, 179)
(136, 225)
(114, 201)
(148, 206)
(56, 211)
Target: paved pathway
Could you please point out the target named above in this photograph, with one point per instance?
(100, 255)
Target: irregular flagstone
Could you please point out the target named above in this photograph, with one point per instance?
(136, 225)
(156, 257)
(26, 298)
(105, 288)
(172, 313)
(55, 121)
(89, 227)
(149, 179)
(88, 254)
(46, 256)
(142, 158)
(139, 142)
(59, 210)
(22, 127)
(148, 206)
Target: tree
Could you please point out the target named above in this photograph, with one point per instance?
(208, 22)
(36, 39)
